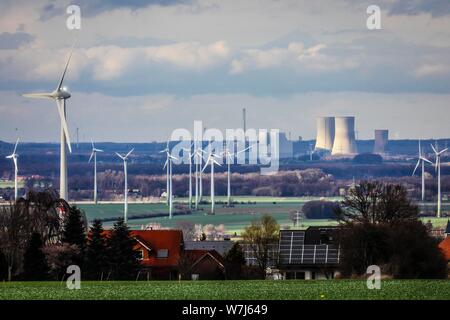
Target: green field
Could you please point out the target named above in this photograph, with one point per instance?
(230, 290)
(10, 184)
(235, 219)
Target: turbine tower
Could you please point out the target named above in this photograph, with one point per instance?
(198, 157)
(229, 156)
(60, 95)
(166, 150)
(190, 155)
(438, 168)
(422, 160)
(211, 161)
(168, 164)
(14, 157)
(125, 203)
(94, 155)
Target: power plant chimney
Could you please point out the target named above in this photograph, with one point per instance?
(244, 120)
(381, 140)
(325, 133)
(344, 137)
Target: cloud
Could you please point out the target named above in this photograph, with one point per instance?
(437, 8)
(432, 69)
(294, 55)
(109, 62)
(14, 40)
(91, 8)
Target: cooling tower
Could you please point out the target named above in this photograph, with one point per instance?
(344, 136)
(381, 140)
(325, 133)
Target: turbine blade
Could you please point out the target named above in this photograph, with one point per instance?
(45, 95)
(442, 151)
(216, 162)
(129, 153)
(15, 147)
(10, 156)
(120, 156)
(426, 160)
(90, 158)
(65, 69)
(60, 104)
(417, 165)
(92, 141)
(165, 163)
(432, 147)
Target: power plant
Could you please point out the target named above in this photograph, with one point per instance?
(325, 133)
(344, 136)
(381, 140)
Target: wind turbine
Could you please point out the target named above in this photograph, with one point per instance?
(211, 161)
(125, 203)
(422, 160)
(168, 165)
(94, 155)
(229, 156)
(190, 155)
(60, 95)
(14, 157)
(438, 168)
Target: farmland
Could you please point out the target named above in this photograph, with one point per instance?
(235, 218)
(230, 290)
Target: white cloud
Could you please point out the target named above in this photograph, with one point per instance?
(432, 69)
(294, 55)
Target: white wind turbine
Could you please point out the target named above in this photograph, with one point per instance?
(190, 155)
(211, 161)
(125, 203)
(14, 157)
(168, 165)
(94, 155)
(60, 95)
(229, 156)
(422, 160)
(438, 168)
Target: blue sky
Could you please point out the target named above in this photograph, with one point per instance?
(144, 68)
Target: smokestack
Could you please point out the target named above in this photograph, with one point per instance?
(244, 120)
(325, 133)
(344, 137)
(381, 140)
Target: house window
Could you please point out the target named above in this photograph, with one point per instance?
(162, 253)
(140, 254)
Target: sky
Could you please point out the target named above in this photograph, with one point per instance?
(141, 69)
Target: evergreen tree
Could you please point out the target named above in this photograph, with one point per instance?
(122, 258)
(234, 260)
(35, 264)
(74, 231)
(95, 255)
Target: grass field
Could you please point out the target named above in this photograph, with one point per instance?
(230, 290)
(235, 219)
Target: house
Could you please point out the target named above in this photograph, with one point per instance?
(159, 252)
(445, 244)
(203, 265)
(308, 254)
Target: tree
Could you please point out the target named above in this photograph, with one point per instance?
(380, 226)
(74, 228)
(95, 255)
(59, 257)
(234, 260)
(259, 236)
(122, 258)
(374, 202)
(35, 265)
(188, 229)
(319, 209)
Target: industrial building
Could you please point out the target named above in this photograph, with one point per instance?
(381, 141)
(325, 134)
(344, 136)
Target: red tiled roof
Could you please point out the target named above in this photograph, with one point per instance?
(445, 247)
(172, 240)
(195, 255)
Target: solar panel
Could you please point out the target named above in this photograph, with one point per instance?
(292, 250)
